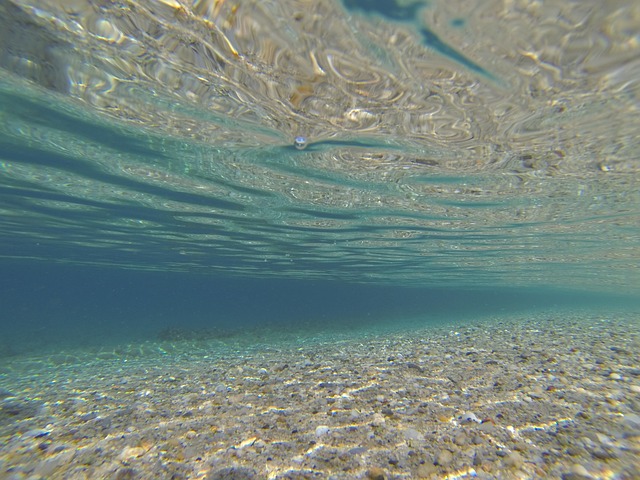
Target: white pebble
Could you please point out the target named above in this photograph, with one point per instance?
(321, 430)
(469, 417)
(412, 434)
(580, 470)
(377, 420)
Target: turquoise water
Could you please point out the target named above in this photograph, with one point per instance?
(461, 159)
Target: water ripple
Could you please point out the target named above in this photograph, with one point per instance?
(443, 143)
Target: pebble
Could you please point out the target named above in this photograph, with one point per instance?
(376, 473)
(426, 470)
(469, 418)
(131, 452)
(377, 420)
(514, 460)
(460, 439)
(321, 430)
(578, 472)
(444, 458)
(412, 434)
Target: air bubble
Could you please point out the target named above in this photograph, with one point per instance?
(300, 142)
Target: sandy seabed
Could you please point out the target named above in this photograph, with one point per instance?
(546, 396)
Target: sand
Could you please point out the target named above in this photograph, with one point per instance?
(546, 396)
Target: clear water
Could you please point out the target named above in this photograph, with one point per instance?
(460, 157)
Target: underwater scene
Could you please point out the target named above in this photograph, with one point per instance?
(328, 239)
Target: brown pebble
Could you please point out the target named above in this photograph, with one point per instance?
(376, 473)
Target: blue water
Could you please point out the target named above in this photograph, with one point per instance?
(459, 163)
(46, 307)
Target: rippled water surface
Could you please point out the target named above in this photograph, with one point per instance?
(448, 142)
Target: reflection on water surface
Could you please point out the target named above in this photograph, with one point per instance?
(449, 142)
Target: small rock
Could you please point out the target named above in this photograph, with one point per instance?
(36, 433)
(576, 451)
(377, 420)
(131, 452)
(321, 430)
(412, 434)
(604, 454)
(487, 427)
(125, 474)
(221, 388)
(357, 451)
(444, 458)
(578, 472)
(469, 417)
(514, 460)
(426, 470)
(460, 439)
(376, 473)
(615, 376)
(414, 366)
(103, 423)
